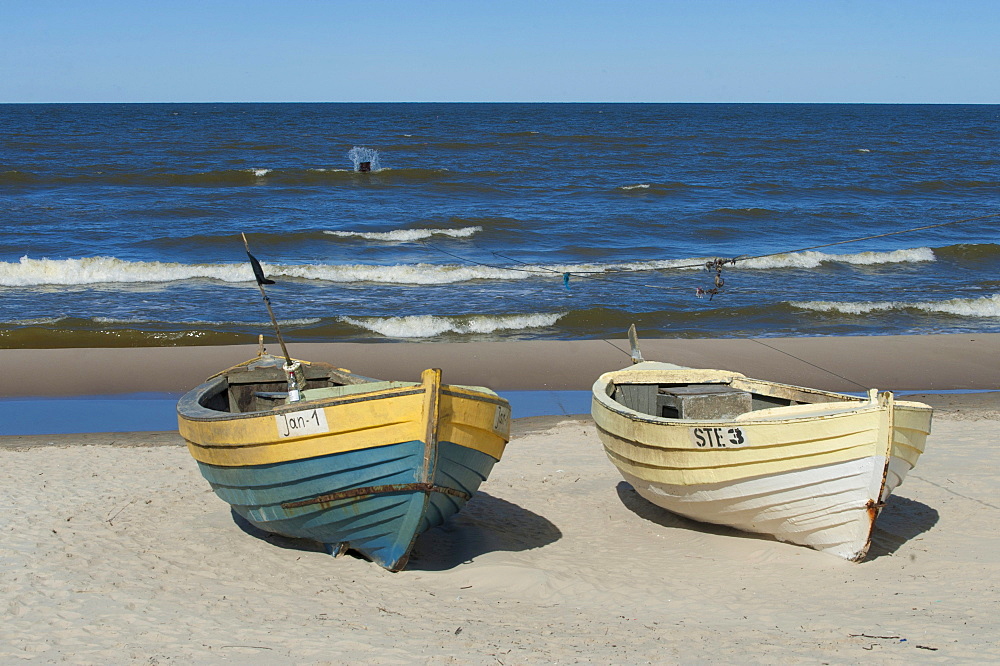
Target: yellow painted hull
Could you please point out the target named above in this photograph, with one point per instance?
(355, 422)
(360, 464)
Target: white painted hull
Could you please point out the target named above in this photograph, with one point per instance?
(810, 474)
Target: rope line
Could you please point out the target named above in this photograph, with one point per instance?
(818, 367)
(863, 238)
(629, 354)
(780, 351)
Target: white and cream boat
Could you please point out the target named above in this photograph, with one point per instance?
(806, 466)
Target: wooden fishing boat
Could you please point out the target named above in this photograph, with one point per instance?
(355, 463)
(806, 466)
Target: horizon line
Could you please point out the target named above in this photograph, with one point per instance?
(869, 103)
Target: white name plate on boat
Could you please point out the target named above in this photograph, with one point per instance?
(298, 424)
(718, 438)
(501, 421)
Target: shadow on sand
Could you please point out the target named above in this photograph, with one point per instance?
(487, 524)
(289, 543)
(901, 520)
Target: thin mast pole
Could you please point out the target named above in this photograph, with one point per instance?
(267, 302)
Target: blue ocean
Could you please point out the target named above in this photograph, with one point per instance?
(460, 222)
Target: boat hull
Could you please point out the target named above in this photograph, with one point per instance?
(369, 500)
(366, 470)
(814, 474)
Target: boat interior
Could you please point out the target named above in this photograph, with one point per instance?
(262, 384)
(715, 400)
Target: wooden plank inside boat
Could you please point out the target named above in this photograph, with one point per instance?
(695, 401)
(703, 401)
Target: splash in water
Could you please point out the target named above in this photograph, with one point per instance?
(361, 156)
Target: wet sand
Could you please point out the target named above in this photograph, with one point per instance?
(926, 362)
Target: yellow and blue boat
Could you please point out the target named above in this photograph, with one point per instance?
(355, 463)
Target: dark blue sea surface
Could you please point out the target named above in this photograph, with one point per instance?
(495, 221)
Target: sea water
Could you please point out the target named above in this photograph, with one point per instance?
(122, 222)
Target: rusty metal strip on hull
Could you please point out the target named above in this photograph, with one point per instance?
(376, 490)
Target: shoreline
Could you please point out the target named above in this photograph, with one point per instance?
(984, 405)
(926, 363)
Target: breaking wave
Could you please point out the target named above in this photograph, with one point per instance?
(428, 326)
(110, 270)
(986, 306)
(813, 259)
(406, 235)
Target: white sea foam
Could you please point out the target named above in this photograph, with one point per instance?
(986, 306)
(813, 259)
(260, 172)
(397, 274)
(453, 273)
(359, 154)
(407, 235)
(426, 326)
(640, 186)
(110, 270)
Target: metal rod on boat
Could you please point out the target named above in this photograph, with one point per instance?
(296, 379)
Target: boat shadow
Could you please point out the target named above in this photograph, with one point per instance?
(486, 524)
(902, 519)
(289, 543)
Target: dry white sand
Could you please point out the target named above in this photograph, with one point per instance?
(119, 554)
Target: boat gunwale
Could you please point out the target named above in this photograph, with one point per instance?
(189, 406)
(852, 405)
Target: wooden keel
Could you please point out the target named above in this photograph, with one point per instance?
(431, 381)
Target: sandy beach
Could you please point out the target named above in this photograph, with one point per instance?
(115, 550)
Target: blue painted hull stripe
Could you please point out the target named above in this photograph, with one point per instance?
(381, 526)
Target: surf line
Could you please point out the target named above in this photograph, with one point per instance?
(715, 264)
(537, 270)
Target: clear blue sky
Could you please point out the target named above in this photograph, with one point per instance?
(909, 51)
